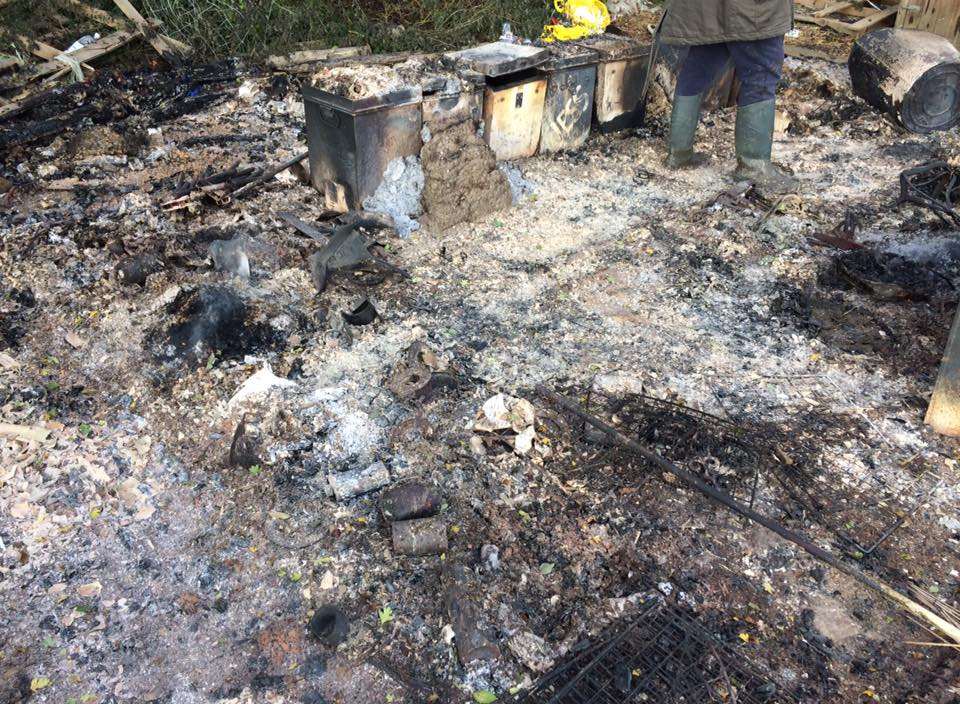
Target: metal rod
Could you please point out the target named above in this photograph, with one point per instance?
(948, 629)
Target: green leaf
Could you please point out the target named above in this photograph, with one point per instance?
(295, 576)
(38, 683)
(484, 696)
(254, 470)
(85, 430)
(49, 642)
(211, 360)
(524, 516)
(386, 615)
(52, 386)
(547, 568)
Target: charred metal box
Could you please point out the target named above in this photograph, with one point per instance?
(621, 71)
(452, 101)
(571, 75)
(513, 116)
(351, 142)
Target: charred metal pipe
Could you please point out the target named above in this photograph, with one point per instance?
(420, 536)
(472, 644)
(950, 630)
(412, 500)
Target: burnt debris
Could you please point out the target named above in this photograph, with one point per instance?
(109, 98)
(935, 186)
(210, 320)
(348, 249)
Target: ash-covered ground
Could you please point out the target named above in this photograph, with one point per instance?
(151, 553)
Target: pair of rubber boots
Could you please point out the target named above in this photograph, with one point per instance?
(754, 143)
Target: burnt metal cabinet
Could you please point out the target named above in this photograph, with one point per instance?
(351, 142)
(571, 75)
(621, 71)
(513, 117)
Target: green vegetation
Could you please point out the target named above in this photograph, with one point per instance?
(259, 27)
(255, 28)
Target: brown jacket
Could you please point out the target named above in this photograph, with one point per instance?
(691, 22)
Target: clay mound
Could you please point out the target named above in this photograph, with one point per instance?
(462, 181)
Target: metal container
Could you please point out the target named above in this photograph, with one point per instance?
(514, 96)
(571, 75)
(513, 115)
(451, 102)
(621, 71)
(351, 142)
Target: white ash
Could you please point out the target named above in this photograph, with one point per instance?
(520, 187)
(398, 195)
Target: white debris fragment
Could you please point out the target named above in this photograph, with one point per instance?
(502, 412)
(346, 485)
(248, 91)
(262, 381)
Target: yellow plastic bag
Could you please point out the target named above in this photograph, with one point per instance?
(579, 18)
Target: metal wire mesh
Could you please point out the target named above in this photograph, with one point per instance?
(740, 458)
(661, 656)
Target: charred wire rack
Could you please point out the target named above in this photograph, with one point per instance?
(718, 451)
(737, 458)
(935, 186)
(662, 656)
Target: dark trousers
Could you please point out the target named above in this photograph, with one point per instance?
(758, 65)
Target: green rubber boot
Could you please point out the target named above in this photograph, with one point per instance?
(683, 129)
(754, 138)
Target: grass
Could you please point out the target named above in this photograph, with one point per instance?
(217, 28)
(255, 28)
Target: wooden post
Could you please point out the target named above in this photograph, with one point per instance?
(943, 413)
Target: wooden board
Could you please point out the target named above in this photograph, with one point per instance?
(91, 51)
(858, 28)
(513, 117)
(941, 17)
(167, 47)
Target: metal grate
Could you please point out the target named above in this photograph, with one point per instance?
(735, 458)
(661, 656)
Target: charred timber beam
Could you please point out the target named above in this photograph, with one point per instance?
(943, 413)
(472, 644)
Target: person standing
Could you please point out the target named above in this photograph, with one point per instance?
(751, 33)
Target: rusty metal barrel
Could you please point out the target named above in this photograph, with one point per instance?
(912, 76)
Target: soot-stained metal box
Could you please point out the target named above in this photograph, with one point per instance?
(351, 142)
(621, 70)
(448, 101)
(571, 75)
(513, 115)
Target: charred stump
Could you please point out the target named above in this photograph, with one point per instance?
(914, 77)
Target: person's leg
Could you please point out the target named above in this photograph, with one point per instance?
(697, 74)
(759, 65)
(700, 68)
